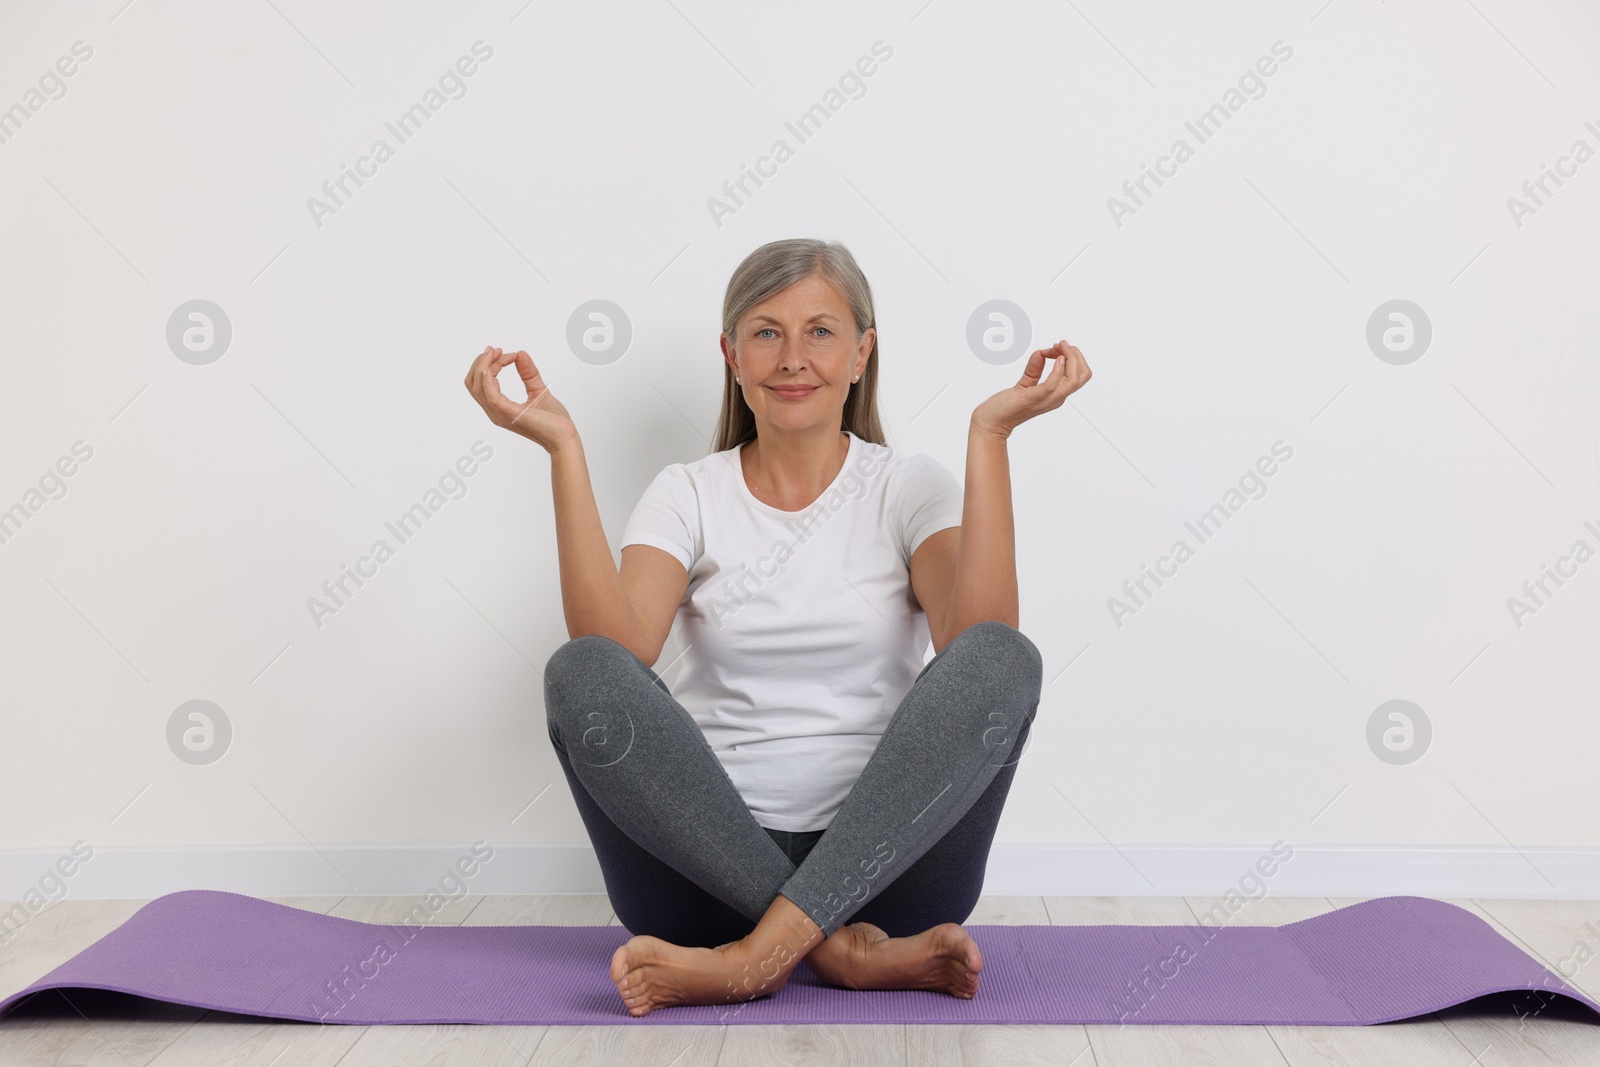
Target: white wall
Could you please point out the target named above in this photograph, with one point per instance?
(1225, 313)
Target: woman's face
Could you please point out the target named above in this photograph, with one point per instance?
(805, 337)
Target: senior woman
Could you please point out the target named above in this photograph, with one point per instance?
(812, 790)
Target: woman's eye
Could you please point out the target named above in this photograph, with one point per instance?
(764, 329)
(824, 329)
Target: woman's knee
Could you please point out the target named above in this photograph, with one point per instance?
(575, 664)
(581, 654)
(1006, 654)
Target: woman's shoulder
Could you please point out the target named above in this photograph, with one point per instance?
(704, 469)
(688, 481)
(897, 463)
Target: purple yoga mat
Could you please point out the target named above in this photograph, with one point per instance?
(1380, 960)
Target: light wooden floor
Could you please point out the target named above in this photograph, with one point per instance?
(58, 1033)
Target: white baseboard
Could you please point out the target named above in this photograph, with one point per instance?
(1440, 871)
(1014, 869)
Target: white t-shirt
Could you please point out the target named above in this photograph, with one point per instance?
(802, 629)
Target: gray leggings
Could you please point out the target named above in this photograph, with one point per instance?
(684, 859)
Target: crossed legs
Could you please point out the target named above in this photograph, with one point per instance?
(687, 866)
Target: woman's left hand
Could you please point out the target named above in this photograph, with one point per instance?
(1012, 407)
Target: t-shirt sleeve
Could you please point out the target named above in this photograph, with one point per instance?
(930, 500)
(667, 516)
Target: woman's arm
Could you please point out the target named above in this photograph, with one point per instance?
(985, 583)
(592, 589)
(592, 595)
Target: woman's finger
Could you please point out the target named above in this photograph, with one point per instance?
(483, 373)
(1080, 369)
(503, 360)
(472, 368)
(1050, 383)
(1063, 352)
(527, 371)
(489, 380)
(1034, 369)
(475, 372)
(1070, 361)
(1072, 370)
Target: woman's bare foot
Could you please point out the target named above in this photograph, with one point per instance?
(651, 973)
(861, 956)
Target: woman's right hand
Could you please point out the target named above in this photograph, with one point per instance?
(541, 418)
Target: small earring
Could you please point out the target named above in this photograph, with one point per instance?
(735, 377)
(857, 378)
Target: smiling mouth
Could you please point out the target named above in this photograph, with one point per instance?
(793, 390)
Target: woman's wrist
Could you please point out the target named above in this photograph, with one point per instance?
(975, 428)
(571, 444)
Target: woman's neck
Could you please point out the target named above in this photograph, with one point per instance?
(790, 473)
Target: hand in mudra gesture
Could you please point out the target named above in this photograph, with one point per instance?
(541, 418)
(1010, 408)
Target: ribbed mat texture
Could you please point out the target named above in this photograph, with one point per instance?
(1372, 962)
